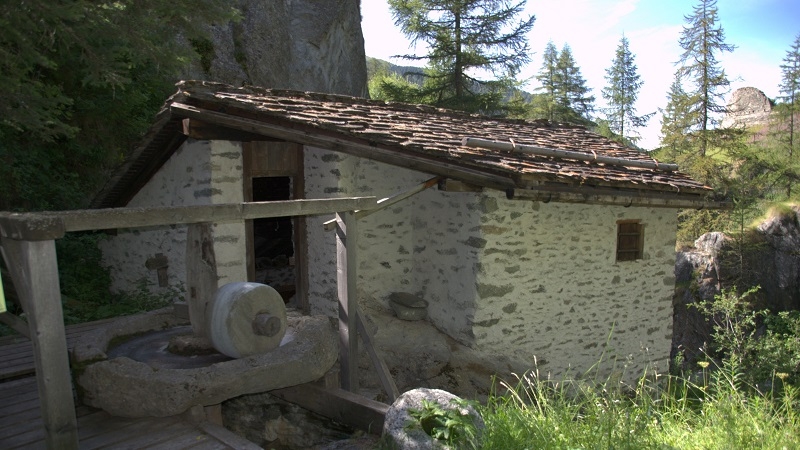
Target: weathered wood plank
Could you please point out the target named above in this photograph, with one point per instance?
(227, 437)
(340, 405)
(17, 324)
(346, 279)
(389, 386)
(34, 270)
(55, 224)
(201, 275)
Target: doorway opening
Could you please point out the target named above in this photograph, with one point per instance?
(273, 238)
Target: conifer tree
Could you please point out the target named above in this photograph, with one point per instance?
(702, 40)
(574, 103)
(462, 36)
(621, 93)
(544, 103)
(789, 110)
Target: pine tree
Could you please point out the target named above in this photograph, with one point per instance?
(621, 93)
(574, 104)
(464, 35)
(702, 40)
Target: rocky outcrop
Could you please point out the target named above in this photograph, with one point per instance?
(767, 256)
(746, 108)
(307, 45)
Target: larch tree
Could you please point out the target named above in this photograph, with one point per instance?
(788, 111)
(573, 101)
(702, 40)
(465, 38)
(545, 100)
(621, 94)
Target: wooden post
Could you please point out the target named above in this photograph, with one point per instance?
(346, 277)
(201, 275)
(34, 270)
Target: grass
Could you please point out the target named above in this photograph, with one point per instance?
(715, 412)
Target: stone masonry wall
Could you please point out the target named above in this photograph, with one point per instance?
(523, 283)
(198, 173)
(549, 287)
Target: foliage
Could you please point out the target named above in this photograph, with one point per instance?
(760, 345)
(79, 83)
(465, 38)
(453, 426)
(621, 94)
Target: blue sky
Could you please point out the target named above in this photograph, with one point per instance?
(762, 30)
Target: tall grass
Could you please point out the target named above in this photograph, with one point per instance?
(714, 411)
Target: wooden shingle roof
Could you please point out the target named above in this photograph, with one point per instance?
(415, 136)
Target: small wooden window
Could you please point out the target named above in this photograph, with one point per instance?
(630, 240)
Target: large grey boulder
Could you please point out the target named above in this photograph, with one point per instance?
(405, 432)
(307, 45)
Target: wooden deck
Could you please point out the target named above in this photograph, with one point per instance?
(21, 424)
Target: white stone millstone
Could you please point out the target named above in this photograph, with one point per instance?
(230, 322)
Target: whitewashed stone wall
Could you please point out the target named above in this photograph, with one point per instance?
(198, 173)
(523, 283)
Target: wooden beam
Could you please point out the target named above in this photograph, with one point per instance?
(388, 201)
(197, 129)
(34, 269)
(389, 386)
(342, 406)
(353, 147)
(346, 280)
(451, 185)
(52, 225)
(201, 275)
(599, 196)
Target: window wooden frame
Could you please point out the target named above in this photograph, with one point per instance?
(630, 240)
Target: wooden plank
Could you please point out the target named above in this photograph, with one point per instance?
(19, 325)
(112, 218)
(346, 281)
(202, 131)
(354, 147)
(388, 201)
(227, 437)
(511, 147)
(389, 386)
(337, 404)
(201, 275)
(600, 196)
(35, 272)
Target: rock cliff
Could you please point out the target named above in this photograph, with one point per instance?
(307, 45)
(767, 256)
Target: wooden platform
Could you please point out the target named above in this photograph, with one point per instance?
(16, 352)
(21, 424)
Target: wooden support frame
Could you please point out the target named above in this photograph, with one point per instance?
(346, 280)
(34, 270)
(28, 245)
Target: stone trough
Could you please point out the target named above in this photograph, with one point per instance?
(125, 387)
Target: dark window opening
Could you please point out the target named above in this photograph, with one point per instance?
(273, 245)
(630, 240)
